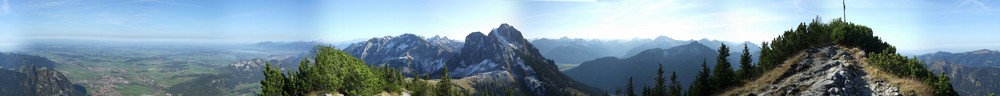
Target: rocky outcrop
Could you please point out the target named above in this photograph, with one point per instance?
(825, 71)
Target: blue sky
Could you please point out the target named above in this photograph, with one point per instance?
(915, 26)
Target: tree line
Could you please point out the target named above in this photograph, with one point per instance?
(335, 71)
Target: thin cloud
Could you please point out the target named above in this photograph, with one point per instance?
(976, 3)
(797, 6)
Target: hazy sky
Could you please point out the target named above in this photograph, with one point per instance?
(914, 26)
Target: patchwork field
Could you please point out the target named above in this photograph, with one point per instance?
(149, 69)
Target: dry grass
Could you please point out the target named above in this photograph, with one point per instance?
(463, 83)
(767, 78)
(907, 86)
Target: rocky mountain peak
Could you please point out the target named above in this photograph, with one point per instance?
(483, 53)
(695, 42)
(663, 38)
(506, 56)
(692, 45)
(475, 37)
(507, 34)
(409, 36)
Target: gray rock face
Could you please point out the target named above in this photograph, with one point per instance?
(829, 71)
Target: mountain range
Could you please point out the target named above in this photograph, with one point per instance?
(408, 52)
(567, 50)
(684, 59)
(504, 51)
(977, 58)
(501, 57)
(973, 73)
(576, 51)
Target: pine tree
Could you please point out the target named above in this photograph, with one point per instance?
(444, 86)
(701, 85)
(328, 74)
(419, 87)
(303, 81)
(723, 75)
(510, 91)
(618, 91)
(273, 82)
(661, 86)
(675, 87)
(629, 90)
(745, 66)
(647, 91)
(763, 63)
(392, 79)
(943, 86)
